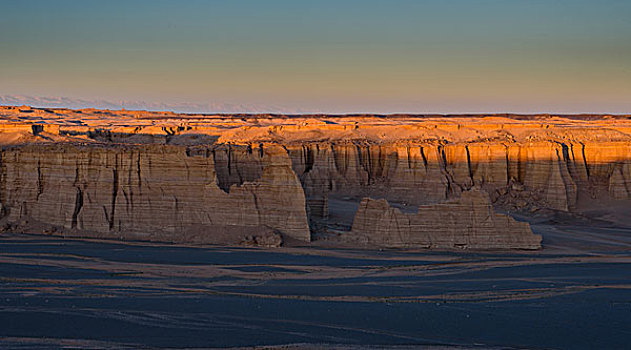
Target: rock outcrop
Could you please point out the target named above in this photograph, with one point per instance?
(251, 178)
(466, 222)
(517, 175)
(148, 192)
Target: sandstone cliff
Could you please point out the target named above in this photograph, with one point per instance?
(147, 192)
(466, 222)
(548, 174)
(167, 176)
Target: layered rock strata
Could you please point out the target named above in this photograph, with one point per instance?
(466, 222)
(148, 192)
(518, 175)
(168, 176)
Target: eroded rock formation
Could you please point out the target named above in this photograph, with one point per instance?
(518, 175)
(251, 178)
(466, 222)
(148, 192)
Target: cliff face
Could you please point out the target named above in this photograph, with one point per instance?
(466, 222)
(197, 194)
(543, 174)
(163, 176)
(159, 192)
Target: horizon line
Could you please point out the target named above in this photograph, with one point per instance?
(419, 114)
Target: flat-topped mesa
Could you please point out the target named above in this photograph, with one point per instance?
(160, 193)
(467, 222)
(181, 177)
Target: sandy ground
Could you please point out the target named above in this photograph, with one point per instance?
(575, 293)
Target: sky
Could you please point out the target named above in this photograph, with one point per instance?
(342, 56)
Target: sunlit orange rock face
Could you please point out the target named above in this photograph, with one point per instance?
(193, 178)
(422, 174)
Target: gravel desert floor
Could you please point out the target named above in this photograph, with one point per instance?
(73, 293)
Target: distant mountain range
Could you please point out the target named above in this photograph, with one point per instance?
(184, 107)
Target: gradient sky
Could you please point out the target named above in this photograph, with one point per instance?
(329, 56)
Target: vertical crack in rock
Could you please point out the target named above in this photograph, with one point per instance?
(114, 194)
(223, 180)
(76, 174)
(129, 199)
(443, 169)
(177, 216)
(229, 160)
(466, 148)
(508, 165)
(360, 158)
(256, 205)
(138, 172)
(307, 158)
(566, 154)
(424, 158)
(77, 208)
(585, 160)
(40, 182)
(561, 190)
(368, 164)
(340, 159)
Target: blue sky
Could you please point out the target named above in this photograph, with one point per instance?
(328, 56)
